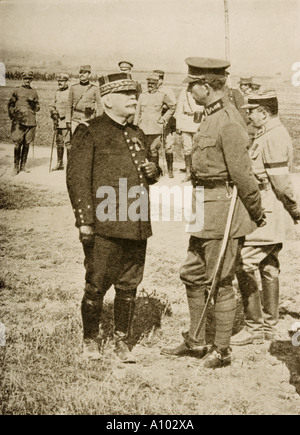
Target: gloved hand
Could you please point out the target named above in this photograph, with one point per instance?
(86, 234)
(150, 170)
(262, 222)
(31, 104)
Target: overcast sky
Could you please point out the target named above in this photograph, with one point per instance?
(264, 34)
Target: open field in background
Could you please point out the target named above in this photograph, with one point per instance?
(41, 282)
(289, 104)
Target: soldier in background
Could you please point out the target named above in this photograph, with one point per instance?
(219, 161)
(188, 115)
(126, 67)
(169, 130)
(149, 115)
(58, 114)
(247, 86)
(104, 150)
(22, 108)
(84, 100)
(271, 153)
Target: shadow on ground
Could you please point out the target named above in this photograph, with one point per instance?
(148, 314)
(285, 352)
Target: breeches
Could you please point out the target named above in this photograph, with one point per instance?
(199, 267)
(155, 143)
(21, 134)
(110, 261)
(261, 258)
(187, 142)
(63, 138)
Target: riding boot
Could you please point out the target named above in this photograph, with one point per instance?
(270, 291)
(254, 320)
(188, 164)
(16, 169)
(225, 309)
(25, 151)
(60, 159)
(169, 159)
(91, 314)
(124, 305)
(192, 345)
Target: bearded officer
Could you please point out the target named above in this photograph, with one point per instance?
(58, 115)
(22, 108)
(271, 154)
(84, 100)
(219, 161)
(105, 152)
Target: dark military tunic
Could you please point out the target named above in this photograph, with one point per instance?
(102, 153)
(23, 105)
(220, 155)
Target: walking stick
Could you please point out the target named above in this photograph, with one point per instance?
(163, 139)
(218, 271)
(52, 146)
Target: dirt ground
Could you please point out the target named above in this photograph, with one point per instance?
(41, 287)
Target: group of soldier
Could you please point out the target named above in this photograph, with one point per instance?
(115, 133)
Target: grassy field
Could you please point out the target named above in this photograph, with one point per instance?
(42, 371)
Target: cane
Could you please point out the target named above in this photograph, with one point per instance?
(52, 146)
(218, 271)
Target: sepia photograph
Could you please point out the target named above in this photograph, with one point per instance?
(150, 210)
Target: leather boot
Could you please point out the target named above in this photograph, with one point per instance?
(91, 314)
(16, 169)
(169, 159)
(25, 151)
(60, 159)
(188, 164)
(123, 315)
(270, 291)
(192, 346)
(225, 309)
(254, 320)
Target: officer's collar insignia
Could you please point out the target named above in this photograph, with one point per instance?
(260, 131)
(213, 108)
(137, 143)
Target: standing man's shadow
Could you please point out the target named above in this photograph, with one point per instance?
(289, 354)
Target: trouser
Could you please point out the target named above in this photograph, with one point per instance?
(110, 261)
(22, 136)
(261, 308)
(63, 138)
(154, 143)
(187, 142)
(197, 274)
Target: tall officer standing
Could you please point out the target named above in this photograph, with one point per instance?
(126, 67)
(149, 114)
(219, 161)
(108, 168)
(84, 101)
(271, 154)
(58, 114)
(22, 108)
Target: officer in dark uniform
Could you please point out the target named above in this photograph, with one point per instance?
(22, 108)
(219, 161)
(108, 169)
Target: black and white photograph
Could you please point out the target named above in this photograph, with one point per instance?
(150, 210)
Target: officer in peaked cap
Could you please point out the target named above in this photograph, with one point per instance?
(106, 152)
(219, 161)
(170, 127)
(22, 108)
(271, 154)
(247, 86)
(126, 67)
(84, 101)
(58, 114)
(151, 115)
